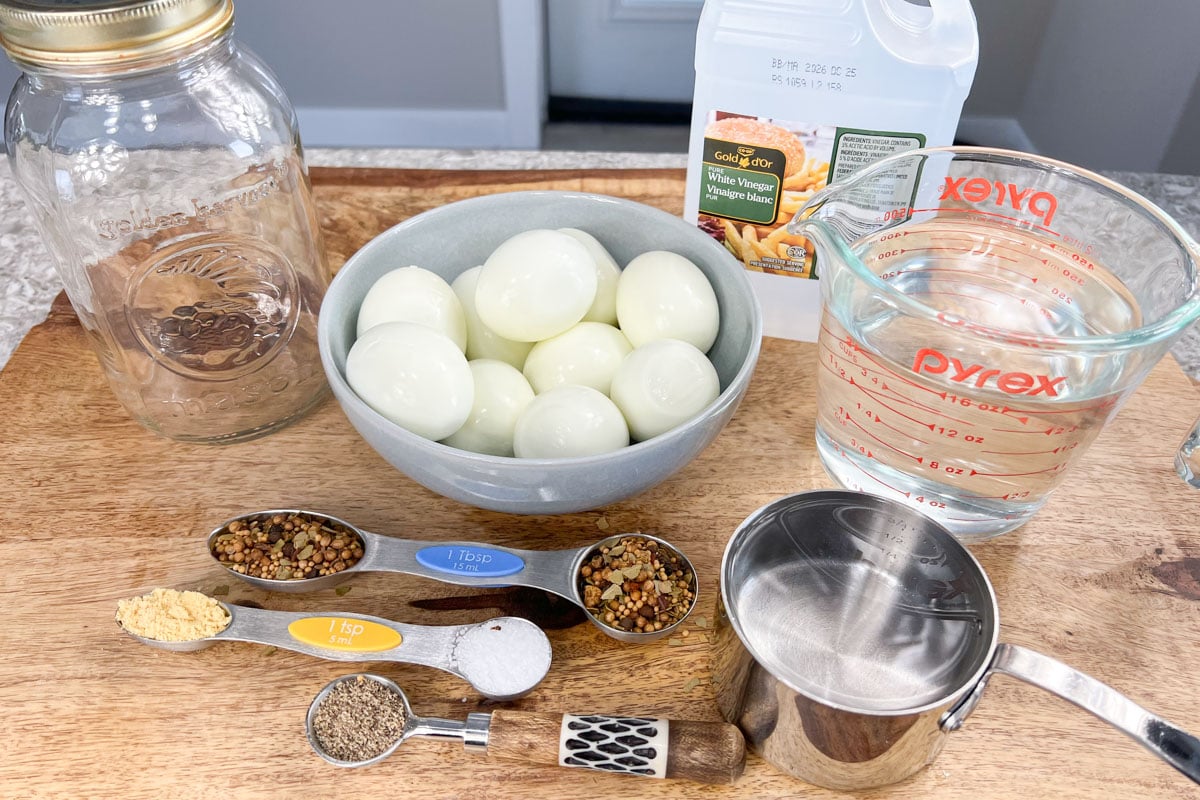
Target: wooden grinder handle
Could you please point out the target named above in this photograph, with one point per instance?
(707, 752)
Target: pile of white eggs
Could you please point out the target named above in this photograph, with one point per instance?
(547, 350)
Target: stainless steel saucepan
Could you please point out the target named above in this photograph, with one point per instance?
(855, 633)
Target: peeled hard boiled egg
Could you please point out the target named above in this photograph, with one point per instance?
(414, 376)
(662, 295)
(501, 394)
(587, 354)
(661, 384)
(413, 294)
(604, 307)
(535, 285)
(569, 421)
(482, 341)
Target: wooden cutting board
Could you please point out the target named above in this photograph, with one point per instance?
(1106, 578)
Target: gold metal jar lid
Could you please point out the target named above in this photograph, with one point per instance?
(106, 32)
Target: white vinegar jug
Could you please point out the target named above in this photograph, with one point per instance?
(794, 94)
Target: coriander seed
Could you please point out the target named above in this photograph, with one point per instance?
(289, 546)
(637, 585)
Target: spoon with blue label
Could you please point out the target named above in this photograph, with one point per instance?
(634, 587)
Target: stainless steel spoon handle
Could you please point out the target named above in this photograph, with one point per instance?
(468, 651)
(1176, 747)
(473, 733)
(472, 563)
(344, 637)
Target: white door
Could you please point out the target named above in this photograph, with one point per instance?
(639, 50)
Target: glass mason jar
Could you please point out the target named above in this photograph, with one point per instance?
(162, 163)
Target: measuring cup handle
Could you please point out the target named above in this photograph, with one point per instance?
(706, 752)
(1176, 747)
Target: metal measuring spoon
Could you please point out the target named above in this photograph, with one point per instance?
(502, 658)
(464, 564)
(707, 752)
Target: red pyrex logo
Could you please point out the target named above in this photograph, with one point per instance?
(976, 190)
(936, 362)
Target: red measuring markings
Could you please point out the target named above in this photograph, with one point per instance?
(1101, 406)
(1064, 448)
(847, 418)
(1023, 254)
(879, 399)
(871, 416)
(1009, 496)
(860, 387)
(1056, 468)
(875, 417)
(1055, 431)
(852, 355)
(958, 251)
(1076, 256)
(1047, 313)
(970, 297)
(1018, 246)
(953, 433)
(966, 402)
(885, 484)
(835, 368)
(853, 350)
(978, 212)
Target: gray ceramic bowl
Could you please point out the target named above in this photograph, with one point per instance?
(456, 237)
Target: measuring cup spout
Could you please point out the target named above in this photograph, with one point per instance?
(1176, 747)
(829, 239)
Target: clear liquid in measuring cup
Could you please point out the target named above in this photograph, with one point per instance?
(972, 431)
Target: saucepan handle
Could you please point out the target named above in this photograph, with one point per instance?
(1177, 747)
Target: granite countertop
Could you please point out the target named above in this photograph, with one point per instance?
(30, 282)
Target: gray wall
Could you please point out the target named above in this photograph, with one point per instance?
(379, 54)
(1010, 37)
(1109, 84)
(1112, 80)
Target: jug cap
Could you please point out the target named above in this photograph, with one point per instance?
(96, 33)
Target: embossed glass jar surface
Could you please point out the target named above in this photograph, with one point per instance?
(162, 163)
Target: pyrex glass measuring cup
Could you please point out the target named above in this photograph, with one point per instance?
(985, 313)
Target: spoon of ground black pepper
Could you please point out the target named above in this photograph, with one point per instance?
(635, 587)
(360, 719)
(503, 658)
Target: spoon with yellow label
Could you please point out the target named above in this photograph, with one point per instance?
(502, 658)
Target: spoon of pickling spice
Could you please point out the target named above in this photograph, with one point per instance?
(360, 719)
(635, 587)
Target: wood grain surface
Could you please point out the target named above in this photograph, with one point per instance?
(1106, 578)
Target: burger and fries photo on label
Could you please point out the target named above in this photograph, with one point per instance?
(757, 172)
